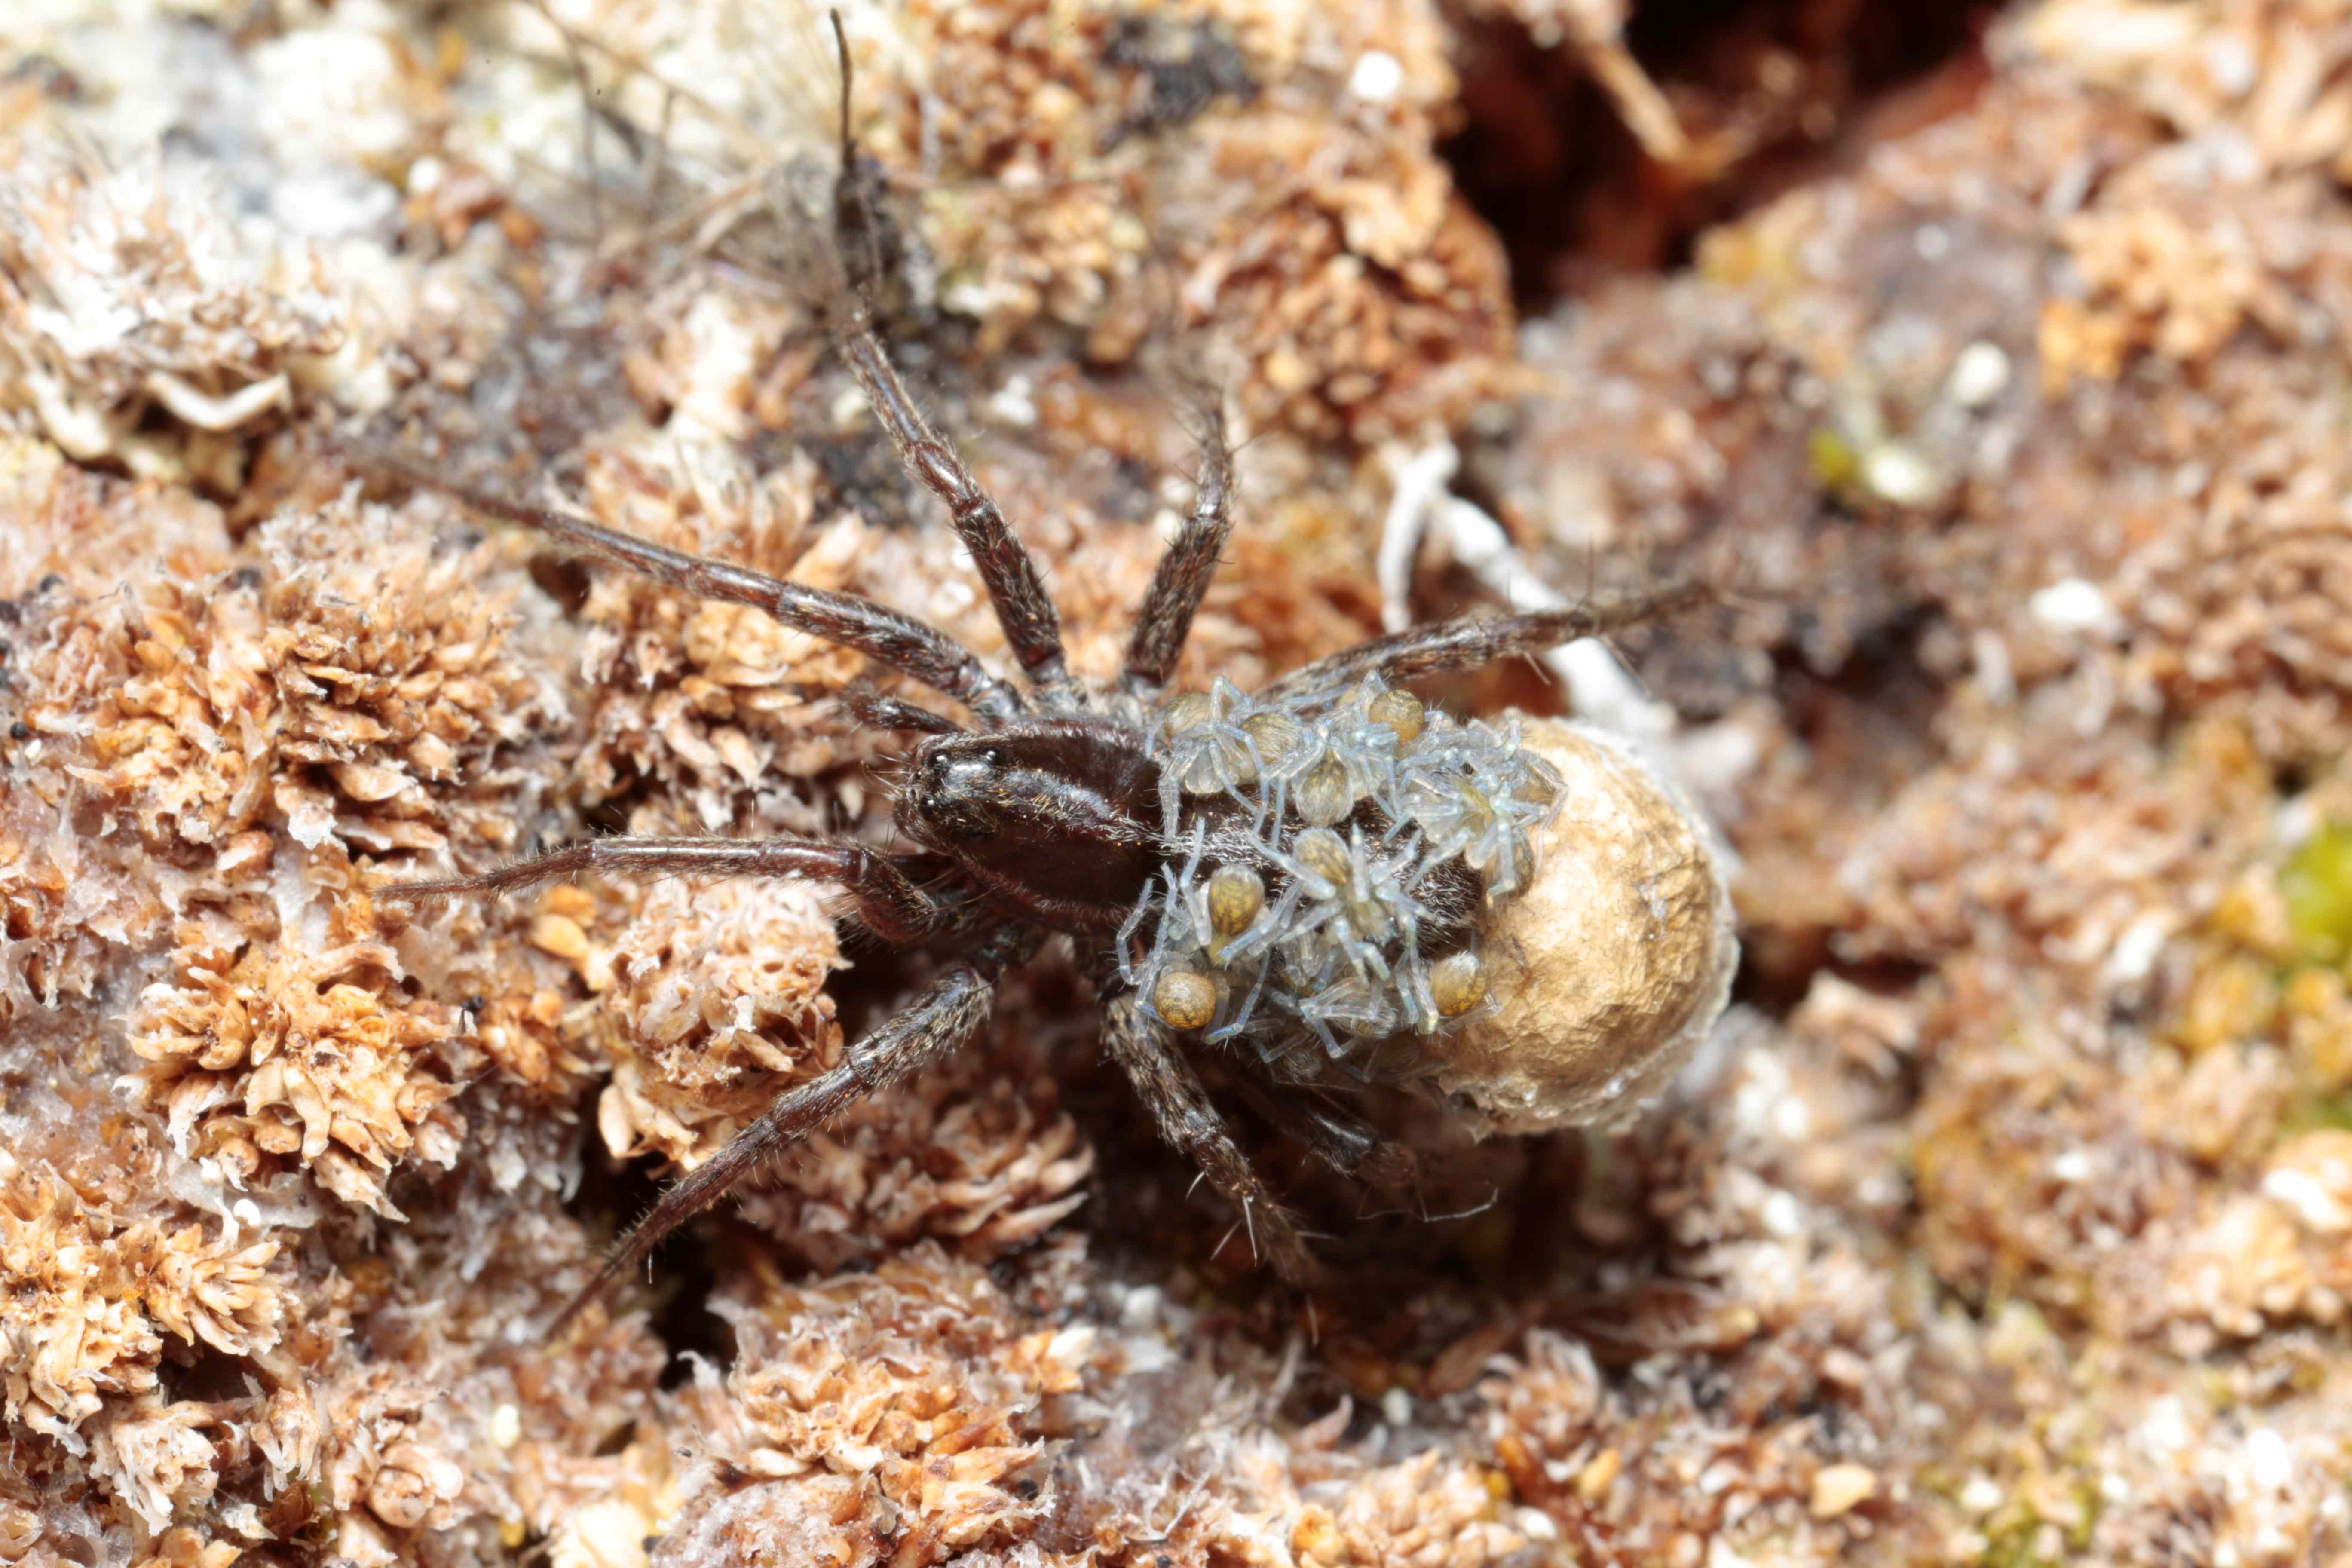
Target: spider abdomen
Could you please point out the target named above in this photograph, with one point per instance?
(1330, 860)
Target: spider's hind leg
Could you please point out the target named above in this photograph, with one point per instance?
(1340, 1139)
(942, 1020)
(1181, 1105)
(891, 907)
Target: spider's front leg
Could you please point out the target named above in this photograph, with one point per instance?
(847, 620)
(1031, 626)
(942, 1020)
(1173, 1093)
(1181, 579)
(891, 907)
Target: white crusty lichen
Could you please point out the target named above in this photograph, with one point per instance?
(129, 288)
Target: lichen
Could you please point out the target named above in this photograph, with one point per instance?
(2003, 1219)
(129, 287)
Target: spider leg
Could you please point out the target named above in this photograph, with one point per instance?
(1182, 578)
(1173, 1092)
(881, 634)
(1336, 1136)
(856, 235)
(893, 908)
(939, 1021)
(1016, 588)
(1031, 626)
(1473, 640)
(877, 712)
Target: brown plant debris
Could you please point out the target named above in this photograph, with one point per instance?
(2004, 1218)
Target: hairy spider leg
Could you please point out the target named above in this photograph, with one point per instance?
(939, 1023)
(891, 907)
(1473, 640)
(1171, 1091)
(588, 117)
(1340, 1139)
(1031, 626)
(875, 711)
(880, 633)
(855, 232)
(1015, 587)
(1180, 580)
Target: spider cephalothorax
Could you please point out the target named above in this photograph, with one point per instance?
(1302, 876)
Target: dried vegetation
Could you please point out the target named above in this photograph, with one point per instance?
(2009, 1222)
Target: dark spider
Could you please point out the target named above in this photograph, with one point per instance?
(1082, 812)
(1045, 816)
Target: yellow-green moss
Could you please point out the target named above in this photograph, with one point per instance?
(2317, 883)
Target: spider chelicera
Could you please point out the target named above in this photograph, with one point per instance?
(1297, 877)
